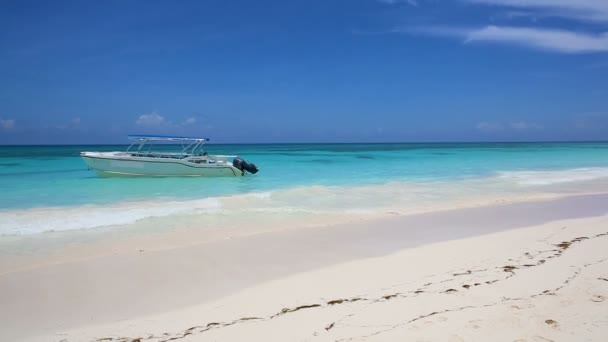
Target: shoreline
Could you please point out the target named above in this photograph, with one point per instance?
(253, 214)
(90, 291)
(403, 197)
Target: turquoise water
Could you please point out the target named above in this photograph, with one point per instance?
(55, 176)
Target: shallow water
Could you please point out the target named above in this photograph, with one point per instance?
(50, 188)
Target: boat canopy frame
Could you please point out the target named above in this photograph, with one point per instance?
(189, 144)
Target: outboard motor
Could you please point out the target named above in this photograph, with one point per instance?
(242, 165)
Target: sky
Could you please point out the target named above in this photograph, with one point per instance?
(82, 72)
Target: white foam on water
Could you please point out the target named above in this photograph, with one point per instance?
(554, 176)
(299, 203)
(310, 200)
(38, 220)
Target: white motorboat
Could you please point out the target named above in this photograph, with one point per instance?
(190, 160)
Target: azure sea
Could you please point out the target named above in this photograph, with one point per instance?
(55, 176)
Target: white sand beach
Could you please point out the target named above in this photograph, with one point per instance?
(277, 171)
(528, 271)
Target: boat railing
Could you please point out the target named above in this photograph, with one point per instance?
(189, 145)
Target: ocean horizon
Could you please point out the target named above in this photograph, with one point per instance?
(464, 142)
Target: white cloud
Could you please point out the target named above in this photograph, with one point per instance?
(586, 10)
(189, 121)
(156, 121)
(152, 119)
(554, 40)
(549, 39)
(7, 123)
(545, 39)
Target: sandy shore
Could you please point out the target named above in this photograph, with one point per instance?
(452, 275)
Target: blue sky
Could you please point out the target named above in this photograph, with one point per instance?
(304, 71)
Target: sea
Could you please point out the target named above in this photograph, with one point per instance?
(49, 188)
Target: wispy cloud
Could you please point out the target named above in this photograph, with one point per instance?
(546, 39)
(549, 39)
(189, 121)
(553, 39)
(152, 119)
(586, 10)
(157, 121)
(7, 123)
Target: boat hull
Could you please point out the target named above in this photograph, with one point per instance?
(109, 166)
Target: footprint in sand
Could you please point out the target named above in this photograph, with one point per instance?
(598, 298)
(474, 324)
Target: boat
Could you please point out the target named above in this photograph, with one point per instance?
(190, 160)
